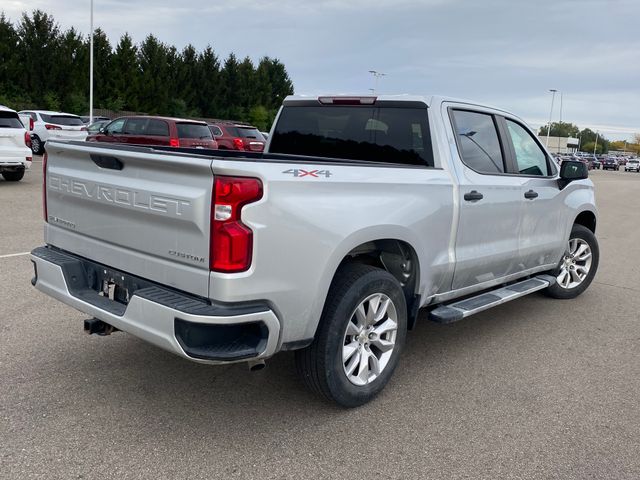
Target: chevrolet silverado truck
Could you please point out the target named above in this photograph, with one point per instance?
(360, 213)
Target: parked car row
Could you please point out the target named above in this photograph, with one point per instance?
(46, 125)
(606, 162)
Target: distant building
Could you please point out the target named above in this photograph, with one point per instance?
(560, 144)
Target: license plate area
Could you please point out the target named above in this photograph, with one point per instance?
(111, 284)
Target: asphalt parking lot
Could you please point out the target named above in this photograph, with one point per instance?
(536, 388)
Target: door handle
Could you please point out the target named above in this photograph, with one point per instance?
(530, 195)
(473, 196)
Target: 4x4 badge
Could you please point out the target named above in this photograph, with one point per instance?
(298, 172)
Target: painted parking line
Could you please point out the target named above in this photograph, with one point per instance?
(14, 255)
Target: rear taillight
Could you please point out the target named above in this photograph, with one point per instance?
(30, 123)
(238, 144)
(44, 187)
(27, 139)
(174, 142)
(48, 126)
(83, 129)
(231, 244)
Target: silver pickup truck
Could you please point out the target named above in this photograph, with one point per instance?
(361, 212)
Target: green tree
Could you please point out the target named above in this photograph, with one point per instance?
(8, 57)
(209, 92)
(39, 42)
(560, 129)
(154, 86)
(42, 66)
(125, 74)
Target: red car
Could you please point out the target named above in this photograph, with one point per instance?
(142, 130)
(237, 136)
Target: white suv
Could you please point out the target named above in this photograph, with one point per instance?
(15, 154)
(46, 125)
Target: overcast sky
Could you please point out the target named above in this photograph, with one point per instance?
(505, 52)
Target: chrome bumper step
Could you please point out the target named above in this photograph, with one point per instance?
(463, 308)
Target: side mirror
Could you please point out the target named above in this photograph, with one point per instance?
(571, 170)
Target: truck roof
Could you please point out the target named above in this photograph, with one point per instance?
(428, 100)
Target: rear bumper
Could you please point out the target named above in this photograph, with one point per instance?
(182, 324)
(16, 162)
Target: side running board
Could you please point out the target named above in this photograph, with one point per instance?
(464, 308)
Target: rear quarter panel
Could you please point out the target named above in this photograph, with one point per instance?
(304, 226)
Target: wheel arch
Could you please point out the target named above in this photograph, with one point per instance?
(393, 253)
(587, 219)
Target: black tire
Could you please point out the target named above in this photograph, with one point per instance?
(556, 290)
(37, 147)
(320, 365)
(13, 176)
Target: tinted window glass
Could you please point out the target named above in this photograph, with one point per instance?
(249, 132)
(135, 126)
(193, 130)
(158, 128)
(96, 126)
(530, 158)
(116, 126)
(10, 120)
(215, 130)
(478, 141)
(66, 120)
(377, 134)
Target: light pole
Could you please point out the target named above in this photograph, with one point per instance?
(91, 68)
(553, 97)
(596, 144)
(561, 95)
(377, 76)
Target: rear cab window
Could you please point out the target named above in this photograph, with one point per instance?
(374, 133)
(10, 120)
(193, 130)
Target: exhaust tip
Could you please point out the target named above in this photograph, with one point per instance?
(256, 365)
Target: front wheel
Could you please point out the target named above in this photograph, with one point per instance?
(359, 339)
(578, 265)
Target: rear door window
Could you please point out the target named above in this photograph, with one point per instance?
(478, 141)
(157, 128)
(530, 158)
(10, 120)
(66, 120)
(193, 130)
(369, 133)
(215, 130)
(135, 126)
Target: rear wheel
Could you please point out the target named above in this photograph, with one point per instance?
(13, 176)
(578, 265)
(361, 334)
(36, 145)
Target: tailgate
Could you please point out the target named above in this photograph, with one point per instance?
(140, 211)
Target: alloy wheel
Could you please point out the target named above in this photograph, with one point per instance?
(575, 265)
(369, 339)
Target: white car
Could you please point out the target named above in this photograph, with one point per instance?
(15, 142)
(632, 166)
(46, 125)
